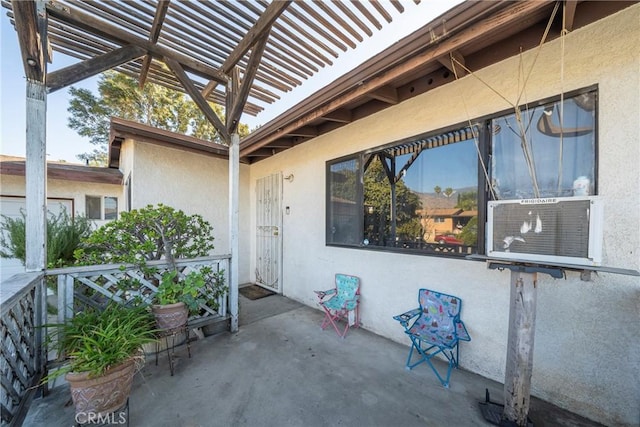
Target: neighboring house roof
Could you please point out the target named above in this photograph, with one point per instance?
(122, 129)
(466, 214)
(10, 165)
(443, 212)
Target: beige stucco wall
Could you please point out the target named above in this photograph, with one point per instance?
(13, 185)
(191, 182)
(587, 349)
(73, 191)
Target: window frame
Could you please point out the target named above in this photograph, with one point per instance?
(482, 125)
(102, 207)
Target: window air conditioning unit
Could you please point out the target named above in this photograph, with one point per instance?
(557, 230)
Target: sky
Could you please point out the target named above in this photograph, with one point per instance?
(64, 143)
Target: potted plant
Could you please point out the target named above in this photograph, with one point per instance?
(176, 297)
(101, 348)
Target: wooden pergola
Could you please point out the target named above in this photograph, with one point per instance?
(244, 55)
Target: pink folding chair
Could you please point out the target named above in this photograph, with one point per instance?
(341, 304)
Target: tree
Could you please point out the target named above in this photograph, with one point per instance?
(468, 201)
(437, 189)
(469, 234)
(448, 192)
(150, 233)
(154, 105)
(377, 194)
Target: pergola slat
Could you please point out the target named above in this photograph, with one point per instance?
(316, 28)
(377, 6)
(307, 9)
(348, 28)
(366, 13)
(287, 38)
(342, 6)
(209, 37)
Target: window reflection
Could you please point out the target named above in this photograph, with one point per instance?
(554, 158)
(422, 198)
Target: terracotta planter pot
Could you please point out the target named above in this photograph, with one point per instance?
(100, 396)
(170, 316)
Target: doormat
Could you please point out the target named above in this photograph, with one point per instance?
(254, 292)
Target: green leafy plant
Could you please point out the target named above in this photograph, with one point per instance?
(215, 286)
(64, 236)
(95, 340)
(146, 234)
(174, 289)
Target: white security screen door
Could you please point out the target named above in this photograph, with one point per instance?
(269, 232)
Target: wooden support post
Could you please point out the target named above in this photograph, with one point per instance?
(522, 322)
(234, 184)
(36, 177)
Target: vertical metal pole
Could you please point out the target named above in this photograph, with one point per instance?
(522, 325)
(234, 221)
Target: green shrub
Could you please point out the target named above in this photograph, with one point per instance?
(64, 234)
(146, 234)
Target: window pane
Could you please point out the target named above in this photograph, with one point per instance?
(343, 205)
(110, 208)
(552, 160)
(93, 208)
(434, 200)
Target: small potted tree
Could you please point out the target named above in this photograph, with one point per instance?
(101, 349)
(176, 297)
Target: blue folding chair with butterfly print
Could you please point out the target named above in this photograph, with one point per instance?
(437, 329)
(341, 304)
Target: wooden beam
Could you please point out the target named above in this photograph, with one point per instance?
(29, 37)
(398, 5)
(90, 67)
(340, 116)
(455, 63)
(202, 103)
(100, 28)
(366, 13)
(257, 31)
(210, 87)
(263, 152)
(154, 34)
(36, 177)
(282, 143)
(522, 327)
(305, 131)
(386, 94)
(232, 94)
(569, 14)
(247, 82)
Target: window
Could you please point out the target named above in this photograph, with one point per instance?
(95, 205)
(556, 158)
(110, 208)
(343, 204)
(428, 194)
(94, 210)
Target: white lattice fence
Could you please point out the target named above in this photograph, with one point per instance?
(96, 286)
(21, 363)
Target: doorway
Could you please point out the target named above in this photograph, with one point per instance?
(269, 232)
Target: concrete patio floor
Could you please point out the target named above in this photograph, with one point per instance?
(281, 370)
